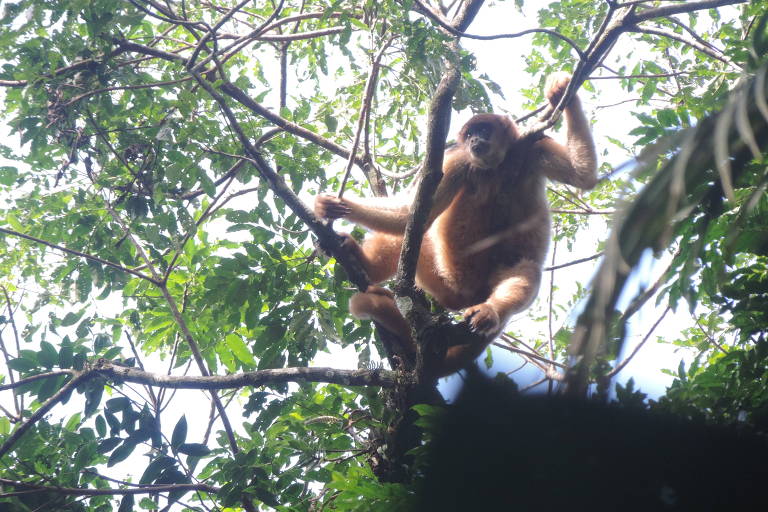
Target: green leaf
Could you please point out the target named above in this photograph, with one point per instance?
(8, 175)
(179, 433)
(148, 504)
(71, 318)
(48, 356)
(240, 349)
(49, 387)
(101, 426)
(194, 449)
(78, 362)
(121, 403)
(488, 359)
(667, 117)
(126, 504)
(108, 445)
(121, 453)
(65, 356)
(100, 342)
(22, 364)
(155, 468)
(93, 398)
(359, 24)
(74, 422)
(112, 353)
(114, 423)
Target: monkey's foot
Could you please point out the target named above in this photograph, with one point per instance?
(482, 319)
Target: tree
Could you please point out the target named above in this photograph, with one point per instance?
(155, 239)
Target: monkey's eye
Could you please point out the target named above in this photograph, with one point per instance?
(481, 130)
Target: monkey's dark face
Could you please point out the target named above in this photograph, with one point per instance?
(485, 138)
(479, 139)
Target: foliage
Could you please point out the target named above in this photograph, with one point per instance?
(138, 233)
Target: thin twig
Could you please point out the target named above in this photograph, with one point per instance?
(78, 491)
(626, 361)
(365, 108)
(180, 323)
(529, 354)
(709, 337)
(6, 355)
(574, 262)
(80, 254)
(456, 32)
(675, 37)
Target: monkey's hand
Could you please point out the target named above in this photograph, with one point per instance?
(482, 319)
(555, 86)
(330, 207)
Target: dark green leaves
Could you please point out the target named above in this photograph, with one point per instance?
(179, 433)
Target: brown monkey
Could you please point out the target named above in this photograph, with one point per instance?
(489, 227)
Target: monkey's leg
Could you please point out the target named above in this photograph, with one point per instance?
(378, 304)
(513, 290)
(378, 254)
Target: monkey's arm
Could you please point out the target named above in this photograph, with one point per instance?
(390, 214)
(385, 214)
(575, 163)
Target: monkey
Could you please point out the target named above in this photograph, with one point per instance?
(488, 230)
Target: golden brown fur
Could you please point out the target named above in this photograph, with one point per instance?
(489, 227)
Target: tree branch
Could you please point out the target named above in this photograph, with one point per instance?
(382, 378)
(6, 355)
(669, 10)
(34, 378)
(429, 13)
(675, 37)
(79, 254)
(219, 24)
(77, 379)
(77, 491)
(180, 323)
(328, 239)
(365, 108)
(289, 126)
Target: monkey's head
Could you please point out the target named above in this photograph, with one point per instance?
(486, 138)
